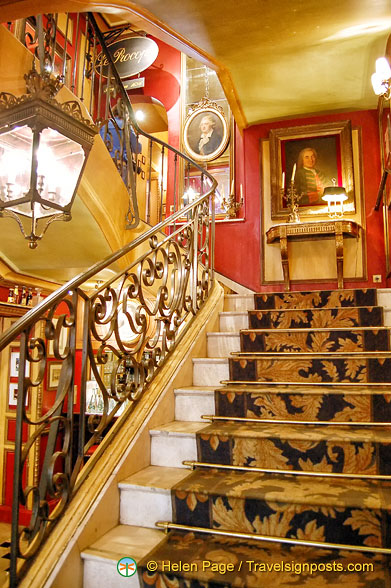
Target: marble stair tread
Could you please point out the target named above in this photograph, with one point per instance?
(153, 477)
(177, 429)
(306, 433)
(287, 489)
(188, 547)
(121, 541)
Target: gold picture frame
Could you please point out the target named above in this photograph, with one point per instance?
(218, 128)
(332, 155)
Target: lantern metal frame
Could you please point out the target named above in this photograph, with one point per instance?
(38, 109)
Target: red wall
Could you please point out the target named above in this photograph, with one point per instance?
(238, 245)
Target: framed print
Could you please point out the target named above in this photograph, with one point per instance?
(206, 131)
(14, 365)
(312, 157)
(54, 370)
(13, 395)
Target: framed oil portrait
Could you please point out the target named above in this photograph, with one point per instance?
(206, 131)
(312, 157)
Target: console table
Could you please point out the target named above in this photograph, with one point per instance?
(312, 230)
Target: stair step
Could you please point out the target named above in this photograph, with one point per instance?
(312, 367)
(257, 564)
(238, 302)
(146, 495)
(222, 344)
(233, 321)
(320, 448)
(369, 316)
(316, 340)
(194, 401)
(101, 558)
(351, 512)
(327, 402)
(174, 442)
(209, 371)
(319, 299)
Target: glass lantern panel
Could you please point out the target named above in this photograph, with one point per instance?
(60, 161)
(15, 164)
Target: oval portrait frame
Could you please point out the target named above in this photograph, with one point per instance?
(192, 135)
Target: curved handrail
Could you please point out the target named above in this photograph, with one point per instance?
(30, 317)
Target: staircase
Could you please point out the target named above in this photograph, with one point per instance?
(296, 449)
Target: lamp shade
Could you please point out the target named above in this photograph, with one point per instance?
(335, 196)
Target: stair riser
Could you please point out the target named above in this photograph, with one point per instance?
(335, 370)
(142, 506)
(103, 574)
(233, 322)
(322, 299)
(317, 456)
(313, 341)
(305, 407)
(172, 450)
(316, 318)
(191, 406)
(209, 373)
(222, 344)
(349, 526)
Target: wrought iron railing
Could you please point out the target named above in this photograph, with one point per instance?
(121, 331)
(153, 196)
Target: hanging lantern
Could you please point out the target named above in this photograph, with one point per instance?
(44, 147)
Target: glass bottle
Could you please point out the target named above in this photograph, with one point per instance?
(11, 296)
(29, 298)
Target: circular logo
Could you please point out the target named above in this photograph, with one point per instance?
(126, 566)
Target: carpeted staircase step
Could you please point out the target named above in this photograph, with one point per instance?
(313, 448)
(231, 562)
(349, 512)
(320, 299)
(316, 340)
(306, 318)
(311, 367)
(312, 401)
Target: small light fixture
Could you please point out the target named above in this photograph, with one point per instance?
(189, 196)
(381, 79)
(335, 196)
(44, 147)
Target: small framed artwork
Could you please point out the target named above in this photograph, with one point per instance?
(143, 175)
(53, 377)
(143, 160)
(310, 158)
(14, 365)
(13, 395)
(206, 131)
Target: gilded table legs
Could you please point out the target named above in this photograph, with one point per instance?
(284, 258)
(339, 252)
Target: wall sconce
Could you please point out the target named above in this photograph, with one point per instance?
(189, 196)
(44, 147)
(335, 196)
(381, 79)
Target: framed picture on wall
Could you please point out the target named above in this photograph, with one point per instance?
(311, 157)
(13, 395)
(53, 377)
(206, 131)
(14, 365)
